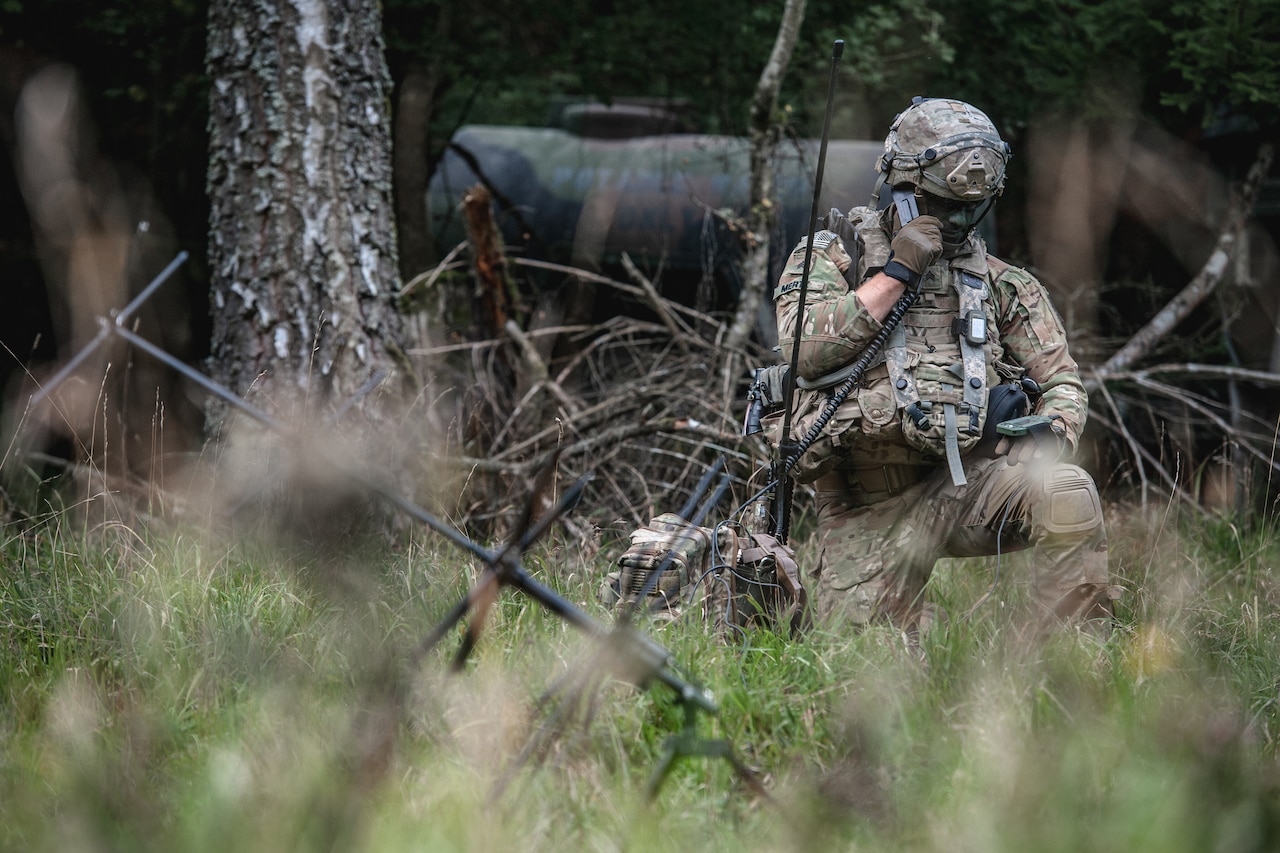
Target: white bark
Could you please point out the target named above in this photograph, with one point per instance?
(302, 240)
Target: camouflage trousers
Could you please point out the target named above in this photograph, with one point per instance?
(881, 536)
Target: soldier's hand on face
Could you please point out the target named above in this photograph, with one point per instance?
(918, 244)
(1042, 444)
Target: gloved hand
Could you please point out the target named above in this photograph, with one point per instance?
(914, 249)
(1042, 444)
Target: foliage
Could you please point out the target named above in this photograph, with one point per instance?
(1207, 60)
(168, 690)
(1201, 59)
(1227, 54)
(505, 61)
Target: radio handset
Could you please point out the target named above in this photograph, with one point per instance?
(905, 200)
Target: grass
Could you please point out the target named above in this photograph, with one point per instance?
(167, 690)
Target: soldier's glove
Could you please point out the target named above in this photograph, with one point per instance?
(1035, 439)
(914, 249)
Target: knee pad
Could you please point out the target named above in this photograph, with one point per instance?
(1071, 502)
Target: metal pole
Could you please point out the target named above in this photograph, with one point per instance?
(104, 331)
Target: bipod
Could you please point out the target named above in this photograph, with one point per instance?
(106, 328)
(689, 744)
(639, 656)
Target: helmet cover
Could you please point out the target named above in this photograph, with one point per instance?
(948, 149)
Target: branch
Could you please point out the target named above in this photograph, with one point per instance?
(1191, 402)
(428, 278)
(1212, 371)
(656, 302)
(532, 361)
(606, 438)
(638, 292)
(1201, 286)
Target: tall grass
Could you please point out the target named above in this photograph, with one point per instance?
(165, 690)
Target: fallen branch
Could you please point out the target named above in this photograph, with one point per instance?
(428, 278)
(1199, 287)
(656, 302)
(631, 289)
(1210, 371)
(1197, 404)
(533, 363)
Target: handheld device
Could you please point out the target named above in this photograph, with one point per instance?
(1024, 425)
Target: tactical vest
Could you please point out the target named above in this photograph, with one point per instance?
(925, 398)
(939, 364)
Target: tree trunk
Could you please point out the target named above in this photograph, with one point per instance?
(302, 250)
(413, 118)
(763, 138)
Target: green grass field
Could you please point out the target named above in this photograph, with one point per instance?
(177, 691)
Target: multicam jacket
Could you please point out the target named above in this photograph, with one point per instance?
(877, 425)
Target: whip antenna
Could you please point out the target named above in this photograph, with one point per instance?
(787, 444)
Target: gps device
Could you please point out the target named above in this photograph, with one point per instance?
(1023, 425)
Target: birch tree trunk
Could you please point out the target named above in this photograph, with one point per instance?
(763, 139)
(302, 250)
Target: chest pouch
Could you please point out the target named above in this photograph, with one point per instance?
(942, 390)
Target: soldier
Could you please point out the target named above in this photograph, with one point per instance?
(910, 467)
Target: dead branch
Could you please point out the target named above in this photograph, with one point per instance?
(620, 286)
(427, 279)
(606, 438)
(1209, 371)
(656, 302)
(1198, 404)
(1199, 287)
(487, 257)
(1142, 453)
(646, 405)
(533, 363)
(763, 139)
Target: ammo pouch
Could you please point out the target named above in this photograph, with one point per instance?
(1005, 401)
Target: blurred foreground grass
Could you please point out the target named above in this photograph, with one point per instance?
(168, 691)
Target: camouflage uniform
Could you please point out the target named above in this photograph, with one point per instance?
(887, 509)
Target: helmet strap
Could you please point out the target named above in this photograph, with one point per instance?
(875, 191)
(987, 203)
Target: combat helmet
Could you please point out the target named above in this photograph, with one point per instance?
(947, 148)
(953, 156)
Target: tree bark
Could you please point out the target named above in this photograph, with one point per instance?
(302, 250)
(763, 139)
